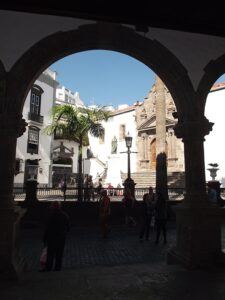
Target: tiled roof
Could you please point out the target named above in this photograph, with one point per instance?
(218, 86)
(121, 111)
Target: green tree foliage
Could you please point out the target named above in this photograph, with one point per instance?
(74, 124)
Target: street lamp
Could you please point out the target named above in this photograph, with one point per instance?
(129, 183)
(128, 140)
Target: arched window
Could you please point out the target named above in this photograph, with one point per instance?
(33, 140)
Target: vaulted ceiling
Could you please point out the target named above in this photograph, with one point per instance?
(208, 19)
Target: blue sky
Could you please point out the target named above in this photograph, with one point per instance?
(105, 77)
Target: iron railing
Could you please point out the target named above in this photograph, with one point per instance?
(35, 117)
(71, 194)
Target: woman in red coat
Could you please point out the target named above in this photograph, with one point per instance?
(104, 213)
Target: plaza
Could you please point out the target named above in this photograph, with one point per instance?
(119, 268)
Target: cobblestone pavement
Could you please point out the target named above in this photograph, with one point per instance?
(84, 246)
(119, 268)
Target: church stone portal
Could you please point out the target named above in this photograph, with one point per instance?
(148, 114)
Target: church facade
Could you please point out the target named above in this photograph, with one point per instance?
(147, 133)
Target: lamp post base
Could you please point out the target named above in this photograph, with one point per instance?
(130, 185)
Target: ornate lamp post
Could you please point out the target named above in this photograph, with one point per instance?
(213, 183)
(213, 170)
(129, 183)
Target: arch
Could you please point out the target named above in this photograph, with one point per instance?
(38, 88)
(107, 37)
(213, 70)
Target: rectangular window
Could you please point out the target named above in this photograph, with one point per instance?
(122, 132)
(35, 104)
(33, 140)
(102, 138)
(35, 100)
(33, 136)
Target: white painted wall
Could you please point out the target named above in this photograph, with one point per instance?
(214, 144)
(112, 126)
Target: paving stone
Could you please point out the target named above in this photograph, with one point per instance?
(117, 269)
(84, 246)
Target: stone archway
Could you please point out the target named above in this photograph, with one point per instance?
(213, 71)
(52, 48)
(101, 36)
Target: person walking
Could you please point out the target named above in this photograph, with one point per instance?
(128, 203)
(99, 189)
(212, 194)
(86, 191)
(104, 213)
(91, 188)
(160, 217)
(147, 212)
(56, 229)
(64, 188)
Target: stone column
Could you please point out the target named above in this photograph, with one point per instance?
(12, 126)
(161, 159)
(198, 221)
(146, 147)
(192, 134)
(160, 116)
(143, 146)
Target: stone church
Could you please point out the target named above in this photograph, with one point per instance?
(147, 118)
(155, 120)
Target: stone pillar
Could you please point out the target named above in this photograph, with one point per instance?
(146, 147)
(198, 221)
(143, 146)
(160, 116)
(161, 159)
(12, 126)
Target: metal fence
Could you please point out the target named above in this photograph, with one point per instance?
(71, 194)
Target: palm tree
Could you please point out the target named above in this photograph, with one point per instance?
(74, 124)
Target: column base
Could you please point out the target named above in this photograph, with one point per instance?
(198, 237)
(175, 257)
(11, 264)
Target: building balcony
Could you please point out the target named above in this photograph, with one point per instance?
(35, 117)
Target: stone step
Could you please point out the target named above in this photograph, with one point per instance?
(143, 179)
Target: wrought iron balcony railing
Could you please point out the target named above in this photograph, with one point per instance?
(35, 117)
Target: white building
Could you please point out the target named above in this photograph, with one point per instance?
(121, 122)
(38, 154)
(66, 96)
(65, 153)
(33, 153)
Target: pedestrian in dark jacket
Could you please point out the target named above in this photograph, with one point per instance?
(160, 217)
(55, 236)
(128, 204)
(147, 212)
(104, 213)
